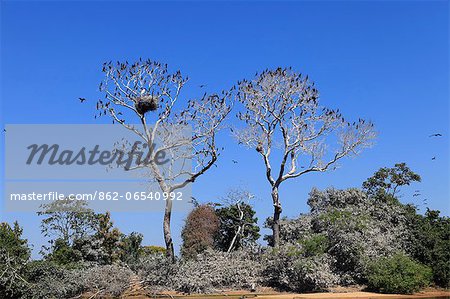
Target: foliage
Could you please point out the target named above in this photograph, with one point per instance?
(151, 249)
(80, 235)
(428, 236)
(155, 270)
(110, 280)
(286, 268)
(64, 254)
(237, 219)
(316, 244)
(14, 254)
(209, 271)
(199, 231)
(351, 228)
(349, 236)
(431, 243)
(291, 229)
(67, 220)
(49, 280)
(398, 274)
(213, 270)
(388, 180)
(12, 242)
(131, 247)
(109, 238)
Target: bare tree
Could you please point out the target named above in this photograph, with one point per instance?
(146, 92)
(281, 112)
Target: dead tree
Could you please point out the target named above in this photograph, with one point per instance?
(281, 113)
(146, 93)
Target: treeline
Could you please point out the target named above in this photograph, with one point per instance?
(356, 236)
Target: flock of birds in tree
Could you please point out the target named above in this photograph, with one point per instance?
(82, 100)
(416, 192)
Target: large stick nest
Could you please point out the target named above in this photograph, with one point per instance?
(144, 104)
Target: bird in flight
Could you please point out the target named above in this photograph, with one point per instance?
(202, 85)
(434, 158)
(436, 135)
(234, 161)
(416, 194)
(82, 100)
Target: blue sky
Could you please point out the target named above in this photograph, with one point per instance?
(381, 60)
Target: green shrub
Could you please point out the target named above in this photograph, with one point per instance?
(316, 244)
(398, 274)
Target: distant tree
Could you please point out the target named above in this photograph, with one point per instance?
(77, 234)
(238, 224)
(386, 181)
(148, 93)
(67, 220)
(109, 238)
(281, 112)
(199, 231)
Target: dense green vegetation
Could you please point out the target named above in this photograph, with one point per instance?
(397, 274)
(354, 236)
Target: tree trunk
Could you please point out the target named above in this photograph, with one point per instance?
(276, 217)
(170, 254)
(238, 231)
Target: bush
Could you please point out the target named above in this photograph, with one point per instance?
(49, 280)
(351, 228)
(156, 270)
(12, 282)
(398, 274)
(46, 279)
(287, 269)
(313, 274)
(212, 270)
(207, 272)
(110, 280)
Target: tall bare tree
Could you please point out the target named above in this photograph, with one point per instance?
(148, 94)
(282, 115)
